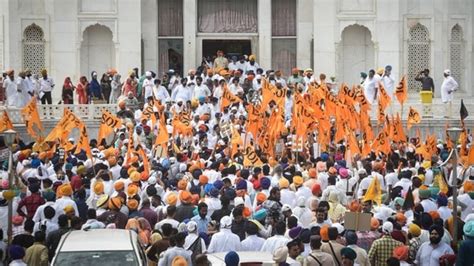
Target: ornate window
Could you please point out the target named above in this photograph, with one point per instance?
(419, 53)
(456, 53)
(33, 49)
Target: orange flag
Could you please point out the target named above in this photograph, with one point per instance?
(5, 122)
(251, 158)
(31, 117)
(384, 98)
(382, 143)
(67, 123)
(374, 191)
(228, 98)
(398, 133)
(108, 123)
(83, 143)
(353, 145)
(146, 164)
(236, 141)
(413, 117)
(401, 91)
(163, 136)
(470, 157)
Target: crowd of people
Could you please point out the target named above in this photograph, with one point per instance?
(192, 172)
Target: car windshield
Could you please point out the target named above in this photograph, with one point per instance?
(88, 258)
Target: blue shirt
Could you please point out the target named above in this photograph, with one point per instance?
(201, 223)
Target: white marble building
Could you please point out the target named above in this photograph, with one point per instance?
(338, 37)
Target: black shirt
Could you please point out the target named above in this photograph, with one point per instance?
(427, 83)
(23, 240)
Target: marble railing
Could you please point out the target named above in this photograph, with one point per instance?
(55, 112)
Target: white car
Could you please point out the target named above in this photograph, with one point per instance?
(100, 247)
(248, 258)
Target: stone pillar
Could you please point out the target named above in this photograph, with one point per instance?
(189, 35)
(304, 33)
(149, 25)
(264, 55)
(325, 28)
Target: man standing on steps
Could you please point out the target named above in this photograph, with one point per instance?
(448, 87)
(427, 83)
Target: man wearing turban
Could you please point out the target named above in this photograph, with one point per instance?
(430, 252)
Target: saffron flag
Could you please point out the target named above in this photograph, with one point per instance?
(384, 98)
(162, 137)
(83, 143)
(374, 192)
(31, 117)
(413, 117)
(251, 158)
(108, 123)
(228, 98)
(5, 122)
(67, 123)
(401, 91)
(146, 164)
(470, 157)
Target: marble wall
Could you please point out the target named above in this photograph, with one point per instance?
(321, 24)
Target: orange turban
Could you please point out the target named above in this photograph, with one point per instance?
(312, 173)
(135, 176)
(324, 232)
(400, 217)
(468, 186)
(182, 184)
(115, 203)
(185, 197)
(119, 185)
(434, 215)
(203, 179)
(131, 170)
(374, 224)
(401, 252)
(246, 213)
(132, 204)
(172, 199)
(99, 188)
(354, 206)
(261, 197)
(144, 176)
(297, 180)
(283, 183)
(112, 161)
(132, 190)
(66, 190)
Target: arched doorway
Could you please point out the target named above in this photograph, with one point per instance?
(97, 50)
(357, 51)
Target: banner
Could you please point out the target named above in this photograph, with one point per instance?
(251, 158)
(5, 122)
(31, 117)
(401, 91)
(413, 117)
(228, 98)
(108, 123)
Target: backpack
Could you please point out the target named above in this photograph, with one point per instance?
(196, 249)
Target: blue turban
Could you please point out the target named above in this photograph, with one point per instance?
(208, 188)
(442, 200)
(35, 163)
(232, 259)
(214, 192)
(218, 184)
(265, 182)
(260, 215)
(16, 252)
(241, 185)
(324, 156)
(469, 228)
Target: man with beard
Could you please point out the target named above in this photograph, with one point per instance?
(430, 252)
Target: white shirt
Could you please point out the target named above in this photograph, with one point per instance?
(46, 85)
(39, 214)
(11, 92)
(224, 241)
(429, 255)
(201, 91)
(148, 88)
(428, 205)
(288, 197)
(250, 67)
(62, 203)
(252, 243)
(448, 86)
(389, 84)
(161, 93)
(50, 226)
(370, 87)
(173, 223)
(190, 239)
(181, 92)
(274, 242)
(213, 204)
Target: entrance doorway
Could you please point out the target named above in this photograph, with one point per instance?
(230, 48)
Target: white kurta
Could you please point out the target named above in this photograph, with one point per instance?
(224, 241)
(448, 87)
(252, 243)
(370, 89)
(274, 242)
(11, 91)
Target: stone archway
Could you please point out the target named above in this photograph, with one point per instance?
(97, 50)
(357, 54)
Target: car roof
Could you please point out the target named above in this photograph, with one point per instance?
(98, 239)
(244, 256)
